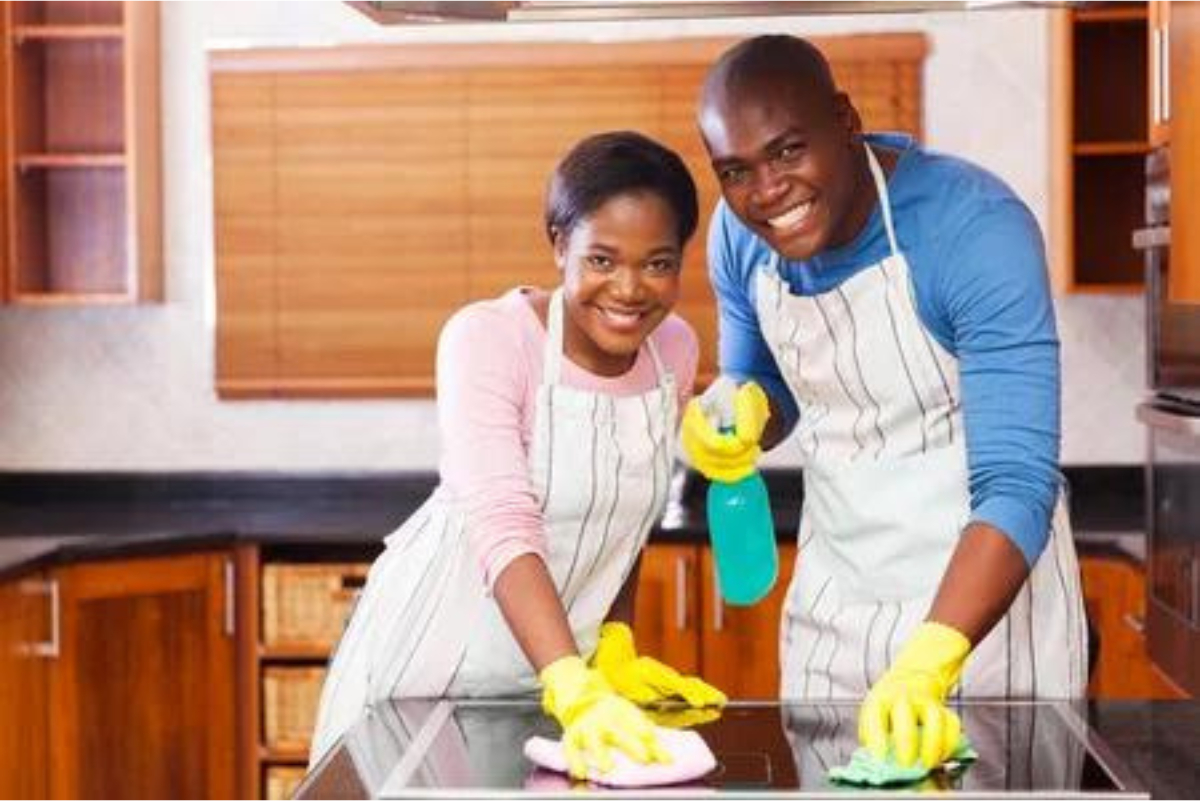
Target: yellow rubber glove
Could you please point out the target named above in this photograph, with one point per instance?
(727, 457)
(643, 679)
(594, 717)
(913, 691)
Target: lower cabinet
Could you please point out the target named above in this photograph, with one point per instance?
(681, 619)
(1114, 590)
(119, 680)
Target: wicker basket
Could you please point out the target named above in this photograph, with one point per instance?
(290, 698)
(282, 781)
(305, 605)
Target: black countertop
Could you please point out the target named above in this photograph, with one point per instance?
(415, 747)
(56, 518)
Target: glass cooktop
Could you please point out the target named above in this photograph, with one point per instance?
(445, 748)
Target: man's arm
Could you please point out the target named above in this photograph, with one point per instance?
(996, 298)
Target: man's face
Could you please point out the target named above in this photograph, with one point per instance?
(785, 160)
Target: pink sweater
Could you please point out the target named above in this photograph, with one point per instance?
(489, 366)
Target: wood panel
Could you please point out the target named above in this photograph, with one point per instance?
(393, 183)
(1114, 590)
(146, 658)
(667, 614)
(1184, 26)
(24, 738)
(740, 645)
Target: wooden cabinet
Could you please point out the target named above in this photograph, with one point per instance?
(27, 640)
(1183, 92)
(1114, 590)
(119, 677)
(81, 152)
(1100, 97)
(1158, 70)
(681, 620)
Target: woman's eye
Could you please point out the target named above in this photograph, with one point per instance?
(597, 262)
(662, 266)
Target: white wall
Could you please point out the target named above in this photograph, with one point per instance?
(131, 388)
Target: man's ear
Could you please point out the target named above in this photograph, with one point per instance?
(847, 116)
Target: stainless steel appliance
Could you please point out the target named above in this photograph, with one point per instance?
(1172, 418)
(473, 749)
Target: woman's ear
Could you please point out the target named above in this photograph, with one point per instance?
(558, 241)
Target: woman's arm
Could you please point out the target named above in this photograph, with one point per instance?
(529, 601)
(984, 575)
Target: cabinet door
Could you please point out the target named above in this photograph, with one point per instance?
(666, 616)
(740, 645)
(26, 640)
(141, 693)
(1184, 112)
(1114, 590)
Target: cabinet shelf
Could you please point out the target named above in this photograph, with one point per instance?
(297, 652)
(24, 33)
(1126, 148)
(1133, 13)
(34, 161)
(285, 755)
(32, 298)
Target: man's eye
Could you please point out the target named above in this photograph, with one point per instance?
(790, 152)
(731, 175)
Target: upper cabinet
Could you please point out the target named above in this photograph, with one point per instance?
(81, 185)
(1101, 107)
(1182, 78)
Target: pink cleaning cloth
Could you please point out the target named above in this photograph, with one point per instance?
(691, 758)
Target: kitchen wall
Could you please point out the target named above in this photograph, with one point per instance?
(131, 388)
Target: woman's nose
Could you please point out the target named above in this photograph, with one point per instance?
(627, 282)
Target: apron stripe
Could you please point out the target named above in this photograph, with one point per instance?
(889, 650)
(549, 451)
(565, 590)
(860, 411)
(862, 379)
(867, 647)
(812, 610)
(887, 297)
(599, 554)
(833, 633)
(441, 598)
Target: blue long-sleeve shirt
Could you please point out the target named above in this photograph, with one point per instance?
(979, 274)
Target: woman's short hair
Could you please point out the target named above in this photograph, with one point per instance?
(614, 163)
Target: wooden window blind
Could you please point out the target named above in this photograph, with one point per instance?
(362, 194)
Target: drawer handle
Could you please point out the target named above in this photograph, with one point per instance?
(1135, 622)
(680, 593)
(50, 648)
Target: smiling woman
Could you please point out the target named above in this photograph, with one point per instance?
(558, 412)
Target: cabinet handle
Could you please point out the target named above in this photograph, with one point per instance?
(50, 648)
(680, 593)
(1135, 622)
(718, 604)
(1156, 115)
(230, 601)
(1164, 57)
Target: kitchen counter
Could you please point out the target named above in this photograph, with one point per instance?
(415, 748)
(49, 519)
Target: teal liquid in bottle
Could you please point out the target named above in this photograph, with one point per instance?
(740, 524)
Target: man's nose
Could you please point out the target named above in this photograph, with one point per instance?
(767, 185)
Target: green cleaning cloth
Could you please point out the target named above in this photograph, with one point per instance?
(865, 769)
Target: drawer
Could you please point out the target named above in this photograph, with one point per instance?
(305, 605)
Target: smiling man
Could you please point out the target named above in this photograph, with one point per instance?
(893, 304)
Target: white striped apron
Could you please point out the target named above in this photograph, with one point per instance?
(886, 496)
(425, 626)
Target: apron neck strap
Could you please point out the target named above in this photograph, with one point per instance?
(885, 203)
(553, 349)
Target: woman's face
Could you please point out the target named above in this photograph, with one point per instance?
(620, 277)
